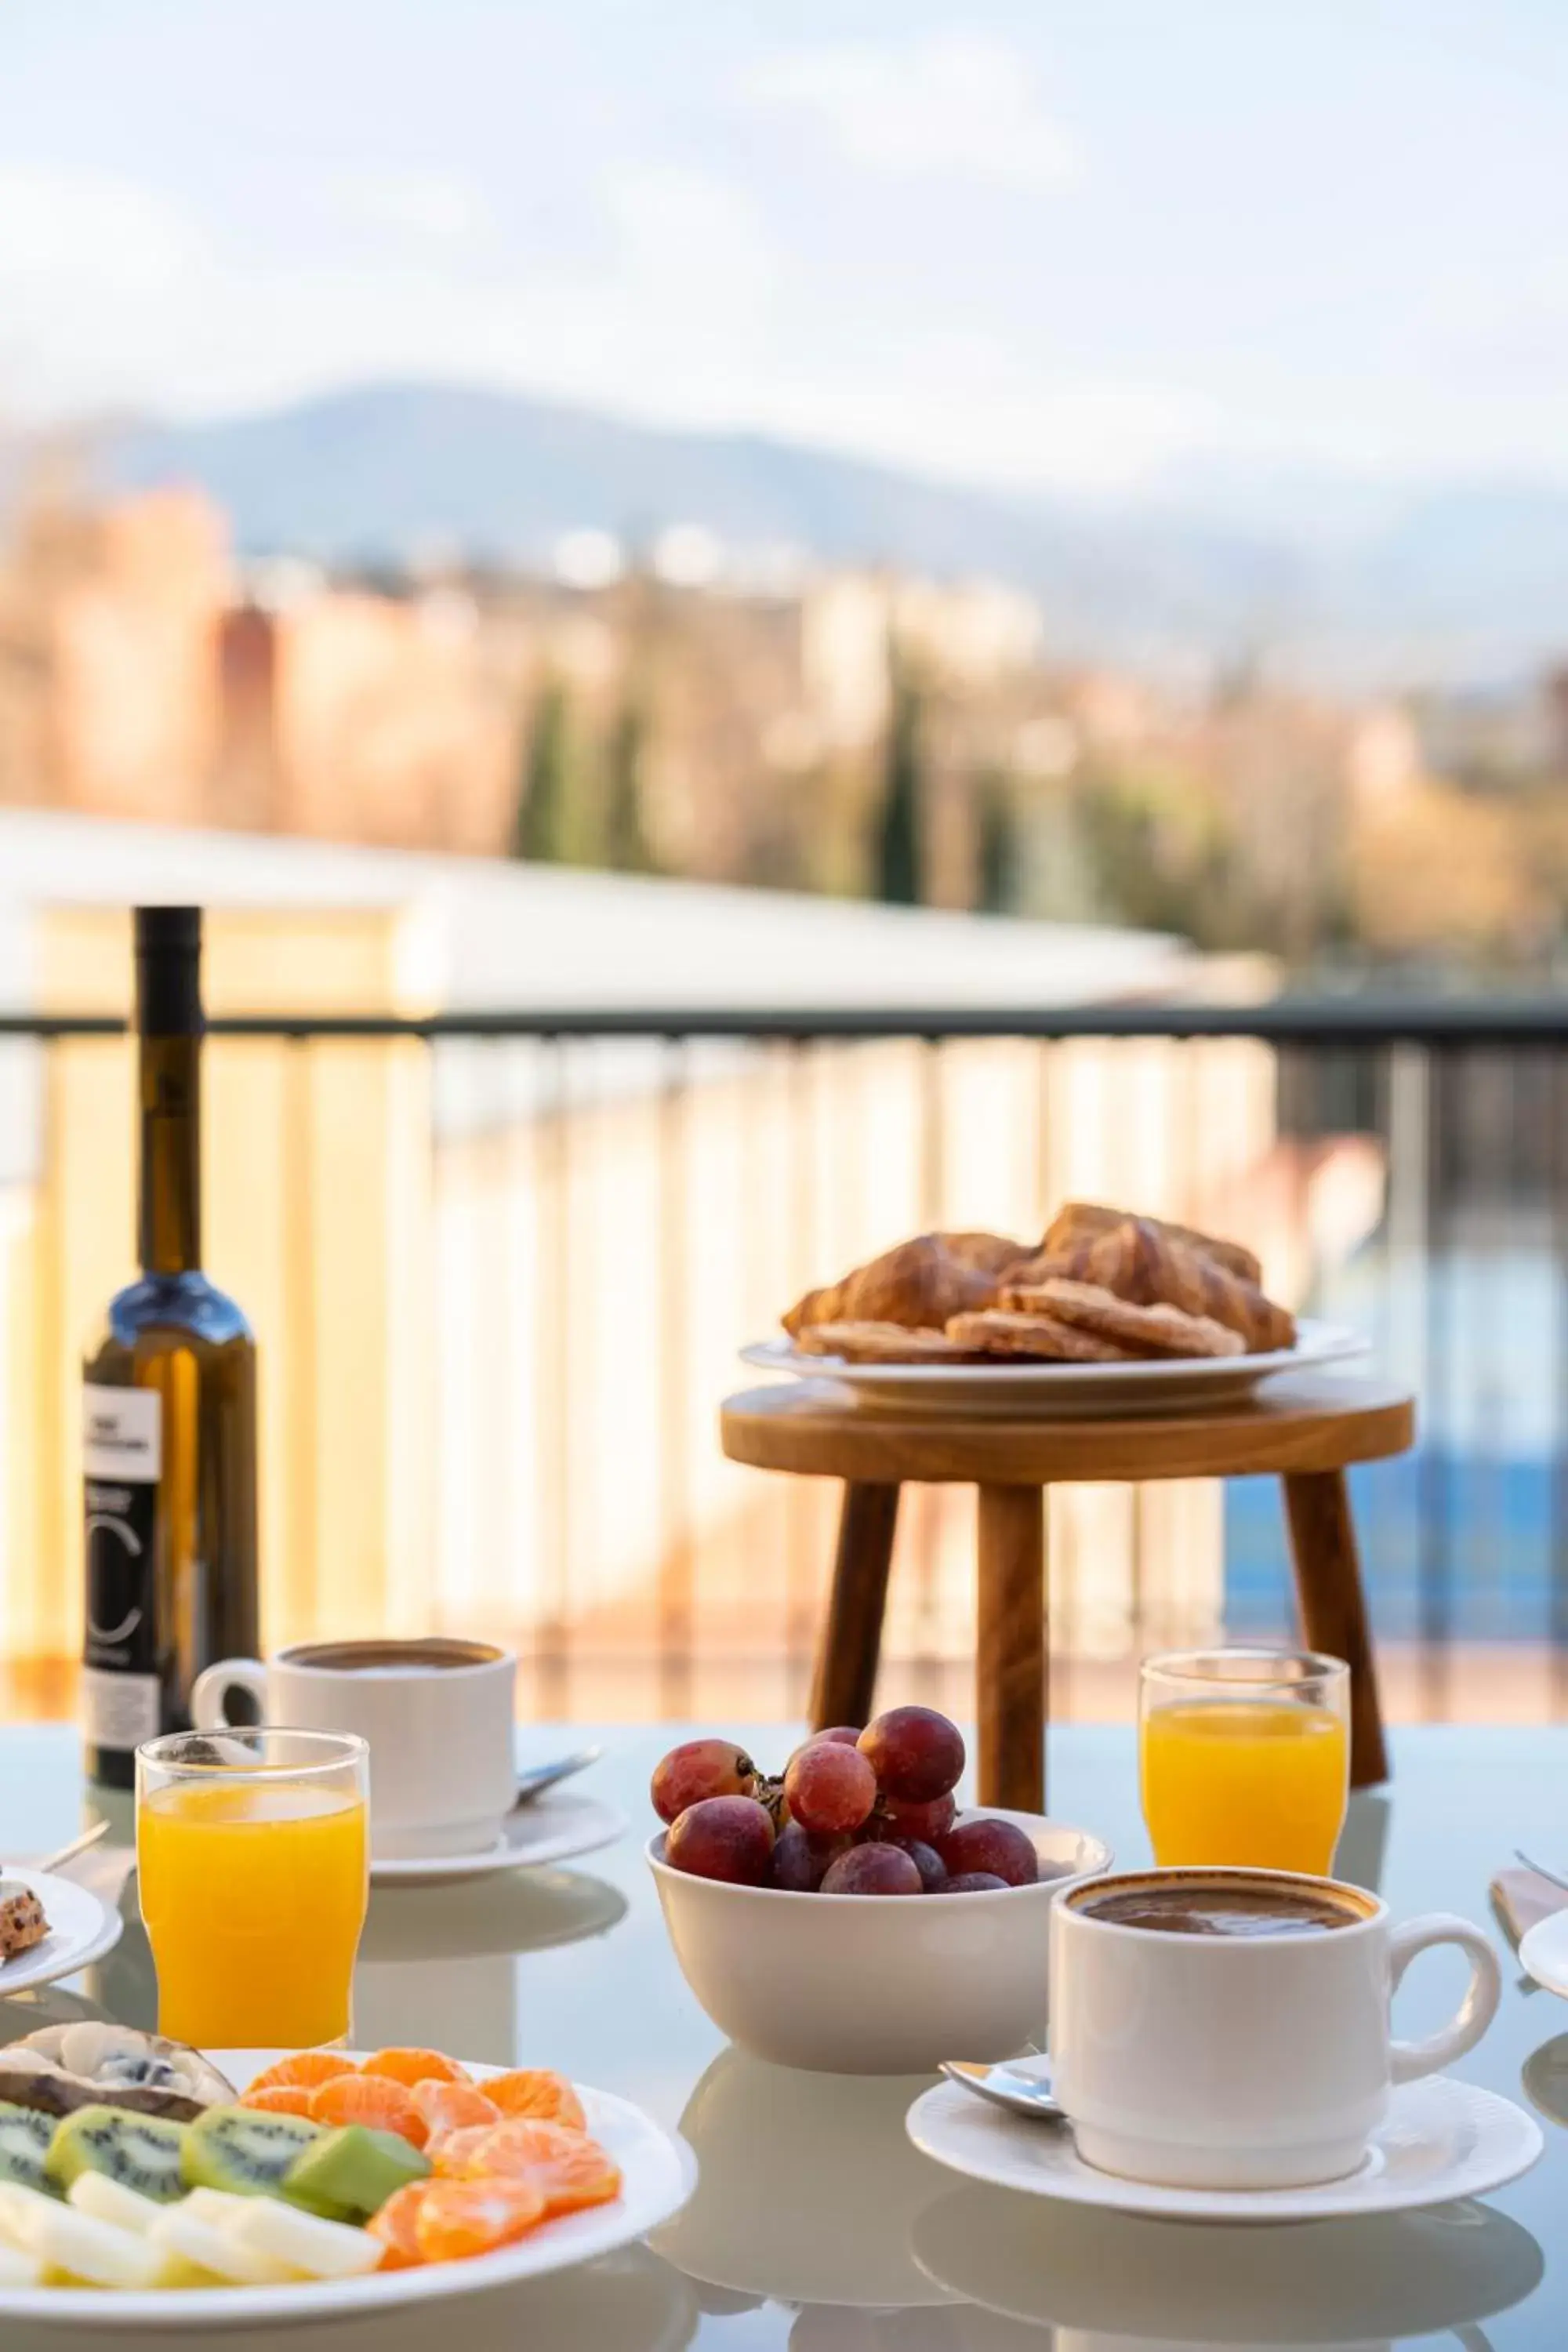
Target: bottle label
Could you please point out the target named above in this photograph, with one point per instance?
(122, 1448)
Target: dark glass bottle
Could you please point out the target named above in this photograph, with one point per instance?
(170, 1408)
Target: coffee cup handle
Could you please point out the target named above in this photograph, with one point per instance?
(211, 1688)
(1475, 2012)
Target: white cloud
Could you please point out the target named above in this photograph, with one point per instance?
(110, 235)
(424, 204)
(953, 104)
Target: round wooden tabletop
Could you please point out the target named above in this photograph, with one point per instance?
(1307, 1422)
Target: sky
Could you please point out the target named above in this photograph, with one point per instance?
(1096, 247)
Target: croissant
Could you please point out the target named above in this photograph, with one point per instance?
(922, 1284)
(1142, 1261)
(1079, 1220)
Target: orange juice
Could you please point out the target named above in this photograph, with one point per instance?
(1244, 1780)
(254, 1899)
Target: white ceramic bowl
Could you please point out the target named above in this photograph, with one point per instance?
(862, 1984)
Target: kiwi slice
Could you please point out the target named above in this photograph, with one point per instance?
(353, 2172)
(243, 2149)
(25, 2137)
(142, 2152)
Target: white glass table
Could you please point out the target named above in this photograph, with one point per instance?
(815, 2226)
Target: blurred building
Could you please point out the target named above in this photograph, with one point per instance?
(499, 1285)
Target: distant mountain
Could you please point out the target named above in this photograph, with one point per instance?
(1455, 580)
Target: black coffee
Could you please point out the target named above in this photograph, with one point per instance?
(1189, 1908)
(390, 1657)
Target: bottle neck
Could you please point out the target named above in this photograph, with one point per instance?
(170, 1212)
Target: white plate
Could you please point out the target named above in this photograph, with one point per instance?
(556, 1827)
(1543, 1953)
(1157, 1384)
(1440, 2139)
(658, 2174)
(81, 1931)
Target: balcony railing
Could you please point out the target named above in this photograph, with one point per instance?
(500, 1263)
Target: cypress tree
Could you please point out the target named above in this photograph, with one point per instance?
(624, 845)
(899, 844)
(540, 829)
(996, 877)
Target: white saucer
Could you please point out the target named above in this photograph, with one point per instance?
(556, 1827)
(81, 1931)
(1441, 2139)
(1543, 1953)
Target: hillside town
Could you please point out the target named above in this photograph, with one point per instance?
(852, 732)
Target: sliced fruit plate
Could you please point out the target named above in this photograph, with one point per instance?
(146, 2186)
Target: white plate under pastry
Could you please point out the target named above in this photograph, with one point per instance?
(1440, 2139)
(1057, 1391)
(81, 1931)
(556, 1827)
(658, 2174)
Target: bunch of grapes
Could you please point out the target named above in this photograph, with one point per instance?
(856, 1812)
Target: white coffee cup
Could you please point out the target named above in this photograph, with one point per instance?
(437, 1715)
(1261, 2060)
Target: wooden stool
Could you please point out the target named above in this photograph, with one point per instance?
(1306, 1431)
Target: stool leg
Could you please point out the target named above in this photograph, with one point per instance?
(1334, 1606)
(845, 1682)
(1010, 1651)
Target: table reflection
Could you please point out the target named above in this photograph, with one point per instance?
(629, 2302)
(1544, 2079)
(436, 1963)
(806, 2191)
(1108, 2280)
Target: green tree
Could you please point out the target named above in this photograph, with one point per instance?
(996, 860)
(624, 842)
(900, 838)
(544, 806)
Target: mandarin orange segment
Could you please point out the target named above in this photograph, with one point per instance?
(280, 2099)
(394, 2225)
(537, 2091)
(453, 2107)
(306, 2068)
(454, 2152)
(411, 2066)
(372, 2100)
(572, 2170)
(459, 2218)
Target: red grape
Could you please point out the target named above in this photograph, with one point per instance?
(985, 1843)
(977, 1881)
(873, 1870)
(915, 1753)
(699, 1769)
(829, 1789)
(841, 1735)
(730, 1838)
(907, 1819)
(800, 1859)
(926, 1860)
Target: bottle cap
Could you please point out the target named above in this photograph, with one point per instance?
(169, 971)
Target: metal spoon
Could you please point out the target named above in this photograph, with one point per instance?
(1021, 2094)
(540, 1777)
(1552, 1876)
(76, 1845)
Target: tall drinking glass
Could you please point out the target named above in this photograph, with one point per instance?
(1245, 1757)
(252, 1848)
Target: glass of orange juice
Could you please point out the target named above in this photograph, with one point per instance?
(252, 1851)
(1245, 1757)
